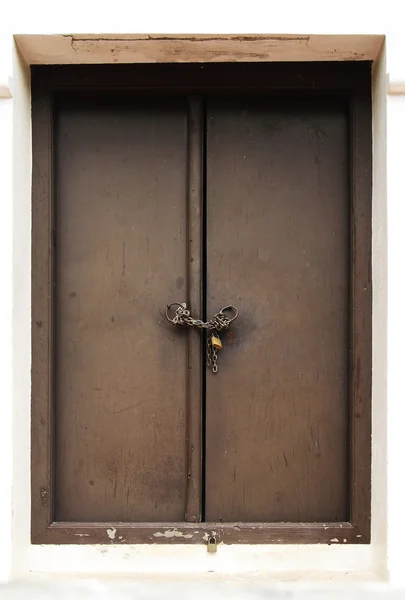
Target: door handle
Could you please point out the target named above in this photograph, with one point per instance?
(220, 322)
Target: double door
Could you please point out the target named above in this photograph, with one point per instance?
(210, 199)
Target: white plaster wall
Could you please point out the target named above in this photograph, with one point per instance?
(21, 248)
(293, 17)
(6, 262)
(396, 332)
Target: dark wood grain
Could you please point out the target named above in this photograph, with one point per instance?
(190, 78)
(42, 422)
(120, 395)
(194, 301)
(361, 312)
(198, 533)
(278, 233)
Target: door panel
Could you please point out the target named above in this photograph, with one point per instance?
(278, 248)
(120, 382)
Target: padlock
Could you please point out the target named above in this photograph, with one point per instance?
(212, 544)
(216, 342)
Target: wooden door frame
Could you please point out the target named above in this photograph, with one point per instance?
(351, 81)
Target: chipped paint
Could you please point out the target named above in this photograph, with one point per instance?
(112, 533)
(44, 494)
(207, 535)
(82, 534)
(170, 533)
(334, 540)
(143, 48)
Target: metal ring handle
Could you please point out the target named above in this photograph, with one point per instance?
(168, 307)
(233, 309)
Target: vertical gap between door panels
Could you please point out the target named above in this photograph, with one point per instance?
(204, 309)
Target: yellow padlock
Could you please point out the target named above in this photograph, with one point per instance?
(216, 342)
(212, 544)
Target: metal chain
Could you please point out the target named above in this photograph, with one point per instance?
(212, 356)
(214, 359)
(219, 322)
(209, 352)
(183, 317)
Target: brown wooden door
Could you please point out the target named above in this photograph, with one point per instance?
(120, 372)
(257, 198)
(277, 243)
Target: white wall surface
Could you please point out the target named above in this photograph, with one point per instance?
(293, 17)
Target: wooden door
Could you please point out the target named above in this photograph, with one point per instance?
(120, 373)
(278, 248)
(224, 185)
